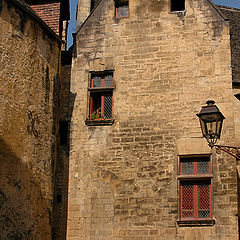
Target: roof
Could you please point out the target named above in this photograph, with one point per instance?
(50, 14)
(65, 13)
(25, 7)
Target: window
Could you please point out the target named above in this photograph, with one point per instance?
(121, 8)
(177, 5)
(63, 132)
(101, 96)
(195, 188)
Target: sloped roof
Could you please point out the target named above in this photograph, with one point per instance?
(25, 7)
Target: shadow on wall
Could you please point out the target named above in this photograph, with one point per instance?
(23, 210)
(62, 176)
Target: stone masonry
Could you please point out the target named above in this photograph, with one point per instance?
(29, 65)
(123, 178)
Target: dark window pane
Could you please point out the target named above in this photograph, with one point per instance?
(187, 201)
(187, 167)
(63, 132)
(203, 201)
(122, 10)
(108, 106)
(203, 166)
(108, 81)
(96, 106)
(177, 5)
(97, 81)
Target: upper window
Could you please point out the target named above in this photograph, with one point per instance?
(121, 8)
(177, 5)
(101, 91)
(195, 188)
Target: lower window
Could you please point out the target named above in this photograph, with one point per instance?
(100, 106)
(195, 174)
(195, 200)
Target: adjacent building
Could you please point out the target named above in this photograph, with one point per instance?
(30, 76)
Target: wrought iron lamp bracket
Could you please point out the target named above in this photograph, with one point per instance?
(233, 151)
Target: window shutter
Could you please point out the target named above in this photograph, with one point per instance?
(108, 106)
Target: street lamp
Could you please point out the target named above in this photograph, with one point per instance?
(211, 120)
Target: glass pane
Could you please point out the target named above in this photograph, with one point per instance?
(122, 11)
(211, 128)
(97, 81)
(96, 106)
(187, 201)
(203, 166)
(108, 107)
(203, 201)
(108, 81)
(187, 167)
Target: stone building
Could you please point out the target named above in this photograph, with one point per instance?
(31, 76)
(139, 167)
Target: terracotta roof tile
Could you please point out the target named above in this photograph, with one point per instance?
(50, 14)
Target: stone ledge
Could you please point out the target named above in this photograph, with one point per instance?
(99, 122)
(196, 223)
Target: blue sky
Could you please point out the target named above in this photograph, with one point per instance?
(73, 7)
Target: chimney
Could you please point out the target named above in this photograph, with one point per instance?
(84, 8)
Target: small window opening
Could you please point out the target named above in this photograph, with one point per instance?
(121, 8)
(92, 5)
(59, 198)
(63, 132)
(177, 5)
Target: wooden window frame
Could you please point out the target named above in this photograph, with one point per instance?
(195, 179)
(102, 91)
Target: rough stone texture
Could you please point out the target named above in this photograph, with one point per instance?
(123, 178)
(29, 63)
(234, 16)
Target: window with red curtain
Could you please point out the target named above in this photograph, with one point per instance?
(195, 188)
(101, 92)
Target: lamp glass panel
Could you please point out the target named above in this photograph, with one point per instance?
(203, 127)
(219, 127)
(211, 129)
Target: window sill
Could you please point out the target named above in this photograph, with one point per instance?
(119, 17)
(100, 122)
(195, 223)
(195, 177)
(179, 13)
(101, 89)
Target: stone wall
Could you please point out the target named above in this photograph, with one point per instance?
(234, 17)
(29, 65)
(123, 177)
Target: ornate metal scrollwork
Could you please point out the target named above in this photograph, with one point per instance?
(233, 151)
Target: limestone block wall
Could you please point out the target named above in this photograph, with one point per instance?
(123, 178)
(29, 65)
